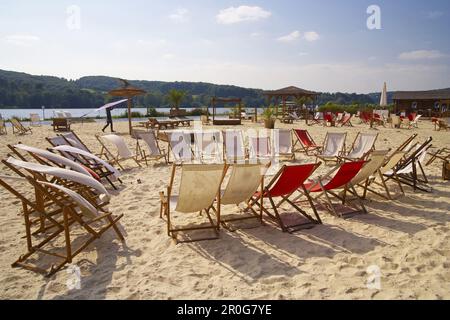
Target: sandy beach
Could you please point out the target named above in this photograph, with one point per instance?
(408, 239)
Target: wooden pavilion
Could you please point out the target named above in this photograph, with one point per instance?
(223, 122)
(283, 95)
(429, 103)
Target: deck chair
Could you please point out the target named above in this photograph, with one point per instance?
(207, 146)
(282, 144)
(306, 142)
(233, 145)
(410, 172)
(76, 211)
(259, 147)
(123, 152)
(318, 119)
(2, 127)
(390, 164)
(283, 185)
(346, 120)
(408, 144)
(35, 120)
(327, 187)
(103, 169)
(395, 121)
(180, 146)
(244, 182)
(18, 127)
(443, 124)
(74, 140)
(199, 188)
(362, 146)
(333, 147)
(149, 138)
(415, 122)
(405, 123)
(441, 154)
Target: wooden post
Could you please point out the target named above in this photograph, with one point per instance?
(129, 115)
(256, 114)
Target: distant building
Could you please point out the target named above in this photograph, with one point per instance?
(428, 103)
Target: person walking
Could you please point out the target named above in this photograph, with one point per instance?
(109, 121)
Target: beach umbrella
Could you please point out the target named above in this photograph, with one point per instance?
(128, 92)
(111, 104)
(383, 100)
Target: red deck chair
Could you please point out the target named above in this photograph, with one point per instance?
(287, 181)
(365, 117)
(328, 118)
(346, 120)
(306, 142)
(341, 180)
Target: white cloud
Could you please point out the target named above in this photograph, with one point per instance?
(311, 36)
(290, 37)
(168, 56)
(22, 40)
(180, 15)
(421, 55)
(434, 14)
(303, 54)
(152, 44)
(243, 13)
(255, 35)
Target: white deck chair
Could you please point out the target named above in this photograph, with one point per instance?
(333, 147)
(123, 153)
(415, 123)
(75, 141)
(259, 147)
(282, 143)
(63, 174)
(199, 188)
(207, 146)
(35, 120)
(233, 145)
(55, 158)
(149, 138)
(364, 143)
(245, 180)
(180, 146)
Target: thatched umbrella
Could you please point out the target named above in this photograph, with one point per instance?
(127, 91)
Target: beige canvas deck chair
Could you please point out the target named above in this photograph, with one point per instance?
(405, 123)
(395, 121)
(19, 128)
(154, 151)
(233, 145)
(389, 165)
(259, 147)
(75, 210)
(207, 146)
(333, 147)
(123, 153)
(35, 120)
(180, 147)
(199, 188)
(282, 144)
(2, 127)
(362, 146)
(244, 181)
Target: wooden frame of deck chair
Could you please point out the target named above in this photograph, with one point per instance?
(74, 140)
(123, 152)
(408, 144)
(199, 188)
(441, 154)
(325, 186)
(259, 147)
(391, 162)
(306, 141)
(362, 146)
(18, 127)
(207, 146)
(233, 146)
(75, 210)
(333, 147)
(285, 147)
(415, 122)
(407, 171)
(3, 127)
(149, 138)
(103, 169)
(346, 120)
(284, 184)
(244, 182)
(179, 145)
(317, 119)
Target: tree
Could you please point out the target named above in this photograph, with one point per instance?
(176, 97)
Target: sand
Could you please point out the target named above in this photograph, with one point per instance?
(408, 239)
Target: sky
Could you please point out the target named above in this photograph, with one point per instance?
(321, 45)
